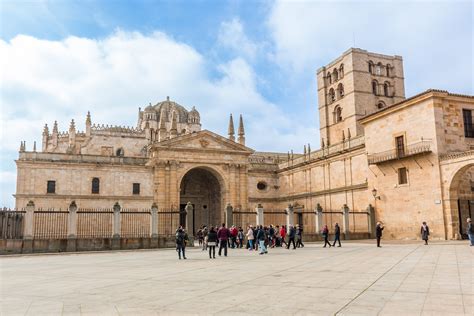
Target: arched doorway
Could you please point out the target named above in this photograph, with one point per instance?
(461, 195)
(202, 188)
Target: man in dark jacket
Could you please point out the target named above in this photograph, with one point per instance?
(291, 237)
(378, 232)
(337, 235)
(223, 235)
(470, 231)
(181, 240)
(261, 235)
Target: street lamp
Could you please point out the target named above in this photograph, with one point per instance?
(374, 193)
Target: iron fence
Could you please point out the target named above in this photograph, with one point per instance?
(11, 224)
(50, 224)
(95, 223)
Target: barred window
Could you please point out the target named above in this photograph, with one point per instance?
(402, 176)
(95, 185)
(51, 186)
(136, 189)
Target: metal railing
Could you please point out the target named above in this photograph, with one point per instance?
(421, 147)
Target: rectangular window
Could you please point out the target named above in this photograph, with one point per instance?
(468, 126)
(51, 187)
(95, 185)
(402, 176)
(136, 188)
(400, 143)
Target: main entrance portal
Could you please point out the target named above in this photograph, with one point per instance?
(201, 187)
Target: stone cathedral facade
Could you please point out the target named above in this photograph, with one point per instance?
(411, 159)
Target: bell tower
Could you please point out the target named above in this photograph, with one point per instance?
(353, 85)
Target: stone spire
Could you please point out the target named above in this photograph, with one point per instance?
(88, 124)
(174, 126)
(45, 137)
(230, 130)
(162, 127)
(72, 134)
(34, 146)
(241, 131)
(22, 146)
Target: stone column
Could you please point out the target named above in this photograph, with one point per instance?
(259, 211)
(173, 186)
(371, 220)
(116, 227)
(167, 185)
(232, 185)
(72, 227)
(189, 218)
(28, 233)
(319, 218)
(154, 221)
(289, 216)
(345, 224)
(229, 217)
(159, 183)
(243, 187)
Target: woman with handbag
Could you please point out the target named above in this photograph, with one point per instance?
(211, 242)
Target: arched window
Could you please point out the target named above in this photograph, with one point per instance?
(371, 67)
(341, 71)
(329, 78)
(331, 95)
(374, 87)
(380, 105)
(337, 114)
(378, 69)
(340, 90)
(95, 186)
(335, 74)
(120, 152)
(386, 89)
(388, 70)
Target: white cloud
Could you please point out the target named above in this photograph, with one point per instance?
(232, 36)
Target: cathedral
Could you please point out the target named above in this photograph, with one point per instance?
(410, 159)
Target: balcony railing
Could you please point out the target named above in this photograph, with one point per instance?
(395, 154)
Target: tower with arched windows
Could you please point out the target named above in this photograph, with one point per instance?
(356, 84)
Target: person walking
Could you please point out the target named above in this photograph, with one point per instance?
(240, 237)
(181, 240)
(425, 232)
(326, 236)
(200, 236)
(250, 237)
(291, 237)
(470, 231)
(299, 236)
(212, 242)
(283, 235)
(261, 236)
(378, 232)
(233, 236)
(337, 235)
(205, 231)
(223, 236)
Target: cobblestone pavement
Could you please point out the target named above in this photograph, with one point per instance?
(357, 279)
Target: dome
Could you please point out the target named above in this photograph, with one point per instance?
(169, 107)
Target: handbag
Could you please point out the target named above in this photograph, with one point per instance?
(211, 243)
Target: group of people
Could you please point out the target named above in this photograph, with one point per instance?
(263, 237)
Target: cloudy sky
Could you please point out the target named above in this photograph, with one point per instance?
(59, 59)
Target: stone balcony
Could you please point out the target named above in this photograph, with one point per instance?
(421, 147)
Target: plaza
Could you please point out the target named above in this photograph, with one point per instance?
(401, 278)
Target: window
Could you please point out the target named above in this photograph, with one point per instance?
(402, 175)
(136, 189)
(380, 105)
(332, 95)
(337, 114)
(468, 126)
(400, 143)
(378, 69)
(388, 70)
(261, 186)
(371, 66)
(335, 75)
(340, 90)
(386, 89)
(329, 78)
(51, 186)
(341, 71)
(95, 185)
(120, 152)
(374, 87)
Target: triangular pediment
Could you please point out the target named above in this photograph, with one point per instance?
(203, 140)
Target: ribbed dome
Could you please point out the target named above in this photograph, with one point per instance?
(169, 107)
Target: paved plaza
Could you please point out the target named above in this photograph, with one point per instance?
(357, 279)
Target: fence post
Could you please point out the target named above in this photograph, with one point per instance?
(116, 227)
(319, 218)
(189, 218)
(154, 221)
(229, 210)
(345, 216)
(72, 227)
(259, 211)
(29, 229)
(289, 216)
(371, 220)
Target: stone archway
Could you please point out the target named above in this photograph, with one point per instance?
(461, 197)
(202, 187)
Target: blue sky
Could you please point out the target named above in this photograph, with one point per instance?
(60, 59)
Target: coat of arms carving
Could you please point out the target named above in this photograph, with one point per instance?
(204, 143)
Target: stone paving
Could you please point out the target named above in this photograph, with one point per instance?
(357, 279)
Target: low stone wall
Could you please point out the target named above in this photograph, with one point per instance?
(19, 246)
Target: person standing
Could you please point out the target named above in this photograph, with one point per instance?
(204, 236)
(233, 236)
(299, 236)
(250, 237)
(291, 237)
(470, 231)
(337, 235)
(261, 236)
(425, 232)
(326, 236)
(181, 240)
(240, 236)
(378, 232)
(223, 236)
(200, 236)
(211, 242)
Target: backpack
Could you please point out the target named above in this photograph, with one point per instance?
(180, 238)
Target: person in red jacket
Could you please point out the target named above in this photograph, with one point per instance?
(223, 236)
(233, 236)
(283, 235)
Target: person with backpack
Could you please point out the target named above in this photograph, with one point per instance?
(337, 235)
(325, 232)
(181, 240)
(425, 232)
(240, 237)
(291, 237)
(212, 242)
(261, 236)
